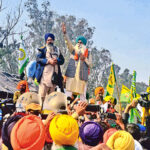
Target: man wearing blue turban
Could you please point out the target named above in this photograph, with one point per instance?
(49, 60)
(78, 67)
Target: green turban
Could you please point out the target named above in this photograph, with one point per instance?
(82, 38)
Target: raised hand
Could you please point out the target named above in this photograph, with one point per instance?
(80, 109)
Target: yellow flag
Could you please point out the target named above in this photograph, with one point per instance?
(148, 89)
(125, 94)
(111, 82)
(124, 89)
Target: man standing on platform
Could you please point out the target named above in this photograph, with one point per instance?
(78, 67)
(49, 60)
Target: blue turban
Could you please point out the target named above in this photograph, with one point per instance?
(142, 128)
(49, 35)
(6, 130)
(91, 133)
(82, 38)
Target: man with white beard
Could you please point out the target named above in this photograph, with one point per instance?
(49, 60)
(78, 68)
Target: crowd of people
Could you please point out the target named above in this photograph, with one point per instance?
(67, 119)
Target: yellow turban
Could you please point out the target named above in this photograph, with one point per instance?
(121, 140)
(64, 130)
(98, 89)
(109, 98)
(33, 106)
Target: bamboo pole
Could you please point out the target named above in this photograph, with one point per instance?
(120, 110)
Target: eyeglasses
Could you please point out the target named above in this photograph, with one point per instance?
(80, 42)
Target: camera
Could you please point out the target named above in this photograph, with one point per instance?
(7, 106)
(93, 108)
(144, 101)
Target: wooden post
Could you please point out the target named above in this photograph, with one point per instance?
(120, 110)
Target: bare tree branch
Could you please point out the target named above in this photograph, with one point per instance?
(1, 3)
(11, 23)
(1, 6)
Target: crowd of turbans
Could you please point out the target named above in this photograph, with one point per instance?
(75, 129)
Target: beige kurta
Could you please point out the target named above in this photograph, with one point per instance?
(75, 85)
(48, 71)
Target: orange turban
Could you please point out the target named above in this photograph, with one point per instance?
(92, 101)
(28, 134)
(64, 130)
(98, 89)
(23, 82)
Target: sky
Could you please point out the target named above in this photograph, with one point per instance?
(122, 27)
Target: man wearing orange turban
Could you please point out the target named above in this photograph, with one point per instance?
(28, 134)
(99, 90)
(22, 87)
(99, 93)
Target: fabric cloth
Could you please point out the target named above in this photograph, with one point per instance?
(23, 82)
(137, 145)
(42, 62)
(144, 141)
(98, 89)
(91, 133)
(58, 147)
(82, 146)
(92, 101)
(55, 102)
(108, 133)
(7, 128)
(64, 130)
(49, 69)
(67, 148)
(17, 94)
(31, 68)
(43, 90)
(49, 35)
(26, 99)
(33, 106)
(142, 128)
(121, 140)
(48, 138)
(28, 134)
(82, 38)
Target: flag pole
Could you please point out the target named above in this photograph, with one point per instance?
(120, 110)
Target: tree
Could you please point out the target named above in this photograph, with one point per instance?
(101, 61)
(8, 42)
(41, 22)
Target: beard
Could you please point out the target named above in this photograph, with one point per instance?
(49, 47)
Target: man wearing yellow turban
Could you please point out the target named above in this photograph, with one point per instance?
(64, 131)
(121, 140)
